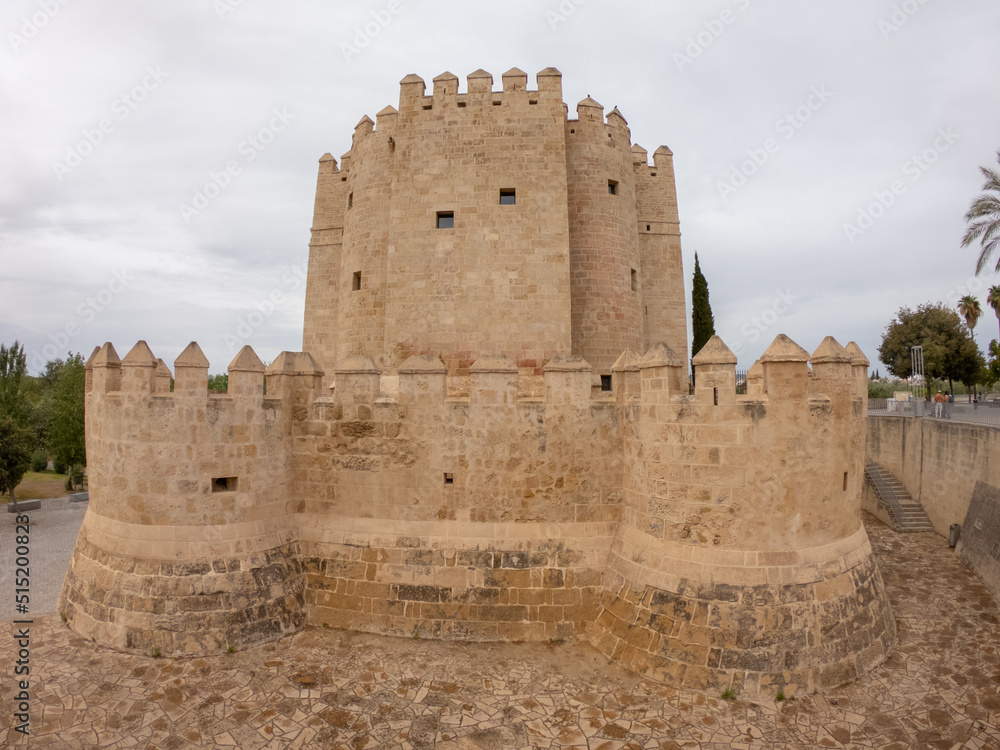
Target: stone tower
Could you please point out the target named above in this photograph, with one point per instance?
(445, 466)
(489, 223)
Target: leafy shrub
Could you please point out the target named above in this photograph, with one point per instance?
(59, 466)
(39, 460)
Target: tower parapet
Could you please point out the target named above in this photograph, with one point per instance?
(741, 561)
(188, 545)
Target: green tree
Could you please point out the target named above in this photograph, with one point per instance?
(949, 351)
(702, 322)
(16, 443)
(14, 387)
(219, 382)
(983, 218)
(65, 404)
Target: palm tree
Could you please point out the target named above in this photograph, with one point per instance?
(968, 308)
(984, 219)
(993, 300)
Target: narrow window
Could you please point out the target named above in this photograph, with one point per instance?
(572, 130)
(428, 106)
(605, 382)
(845, 481)
(496, 102)
(461, 104)
(446, 220)
(532, 101)
(224, 484)
(508, 197)
(652, 174)
(343, 179)
(356, 282)
(613, 187)
(350, 200)
(449, 478)
(715, 396)
(648, 227)
(635, 281)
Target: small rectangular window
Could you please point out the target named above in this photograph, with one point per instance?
(605, 382)
(635, 281)
(648, 227)
(845, 481)
(428, 106)
(508, 197)
(350, 200)
(613, 187)
(461, 104)
(449, 478)
(446, 220)
(224, 484)
(356, 281)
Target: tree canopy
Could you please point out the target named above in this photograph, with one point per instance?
(702, 321)
(14, 386)
(949, 351)
(16, 445)
(65, 406)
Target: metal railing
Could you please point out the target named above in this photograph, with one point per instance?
(978, 412)
(885, 493)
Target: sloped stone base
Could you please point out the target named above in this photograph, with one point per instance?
(174, 608)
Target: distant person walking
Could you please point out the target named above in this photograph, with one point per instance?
(938, 404)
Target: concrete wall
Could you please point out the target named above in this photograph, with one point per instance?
(939, 462)
(979, 544)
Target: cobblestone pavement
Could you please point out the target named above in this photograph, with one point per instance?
(54, 527)
(328, 689)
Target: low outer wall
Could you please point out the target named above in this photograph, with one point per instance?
(938, 462)
(979, 545)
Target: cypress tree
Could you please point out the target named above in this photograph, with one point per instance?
(702, 322)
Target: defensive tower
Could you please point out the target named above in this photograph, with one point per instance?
(445, 466)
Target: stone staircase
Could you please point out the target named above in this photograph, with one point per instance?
(906, 513)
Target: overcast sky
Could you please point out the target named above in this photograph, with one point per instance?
(788, 121)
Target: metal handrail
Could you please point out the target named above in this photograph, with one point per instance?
(885, 493)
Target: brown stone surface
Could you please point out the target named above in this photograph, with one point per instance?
(332, 689)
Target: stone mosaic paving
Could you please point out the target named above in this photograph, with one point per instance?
(331, 689)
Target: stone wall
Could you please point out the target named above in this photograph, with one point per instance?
(741, 561)
(979, 543)
(707, 541)
(482, 517)
(939, 462)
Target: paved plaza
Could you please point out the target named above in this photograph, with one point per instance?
(325, 688)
